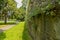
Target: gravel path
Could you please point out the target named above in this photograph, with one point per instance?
(7, 27)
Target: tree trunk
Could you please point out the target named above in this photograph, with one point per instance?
(5, 18)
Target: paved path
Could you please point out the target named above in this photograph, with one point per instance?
(7, 27)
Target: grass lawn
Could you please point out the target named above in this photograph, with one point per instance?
(14, 33)
(8, 22)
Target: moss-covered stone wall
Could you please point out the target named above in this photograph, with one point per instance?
(41, 18)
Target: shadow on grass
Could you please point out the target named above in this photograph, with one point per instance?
(2, 35)
(25, 35)
(7, 23)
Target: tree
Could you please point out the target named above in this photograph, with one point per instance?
(8, 5)
(22, 13)
(40, 19)
(11, 6)
(3, 4)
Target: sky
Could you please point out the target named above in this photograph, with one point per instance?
(19, 3)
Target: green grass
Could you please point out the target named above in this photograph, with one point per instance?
(8, 22)
(15, 33)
